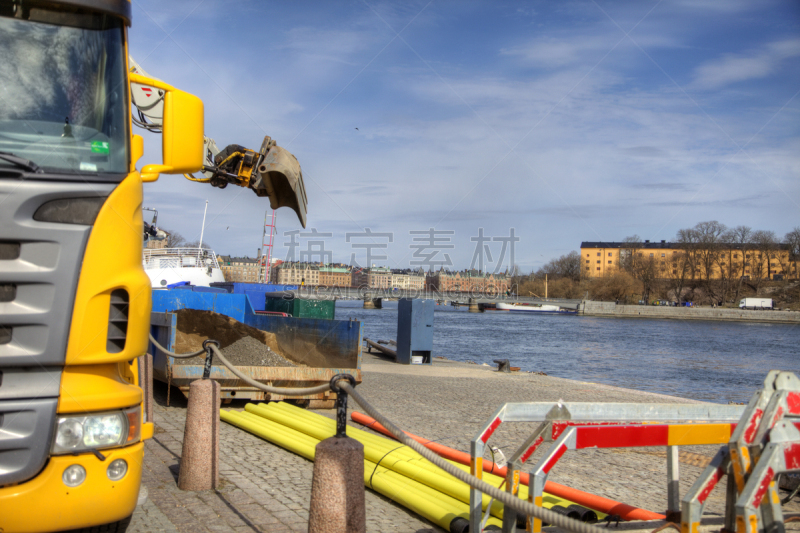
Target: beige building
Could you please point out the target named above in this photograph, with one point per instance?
(156, 245)
(467, 281)
(335, 276)
(675, 260)
(240, 269)
(294, 273)
(408, 280)
(373, 278)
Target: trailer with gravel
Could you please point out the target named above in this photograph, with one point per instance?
(275, 350)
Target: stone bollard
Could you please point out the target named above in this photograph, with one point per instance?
(199, 468)
(337, 489)
(146, 383)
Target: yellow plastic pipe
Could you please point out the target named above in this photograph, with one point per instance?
(387, 446)
(401, 458)
(383, 479)
(439, 480)
(425, 501)
(297, 443)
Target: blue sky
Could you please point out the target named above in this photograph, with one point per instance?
(566, 121)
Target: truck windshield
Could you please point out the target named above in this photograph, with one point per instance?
(63, 93)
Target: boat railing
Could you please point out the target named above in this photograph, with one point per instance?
(179, 258)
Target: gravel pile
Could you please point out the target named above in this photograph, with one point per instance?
(246, 351)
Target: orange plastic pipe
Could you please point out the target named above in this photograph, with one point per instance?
(592, 501)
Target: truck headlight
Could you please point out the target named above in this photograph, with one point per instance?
(74, 475)
(79, 433)
(117, 469)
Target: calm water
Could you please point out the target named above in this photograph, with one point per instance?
(705, 360)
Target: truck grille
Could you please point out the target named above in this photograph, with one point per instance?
(40, 262)
(9, 250)
(8, 291)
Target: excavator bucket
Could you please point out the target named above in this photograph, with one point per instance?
(279, 177)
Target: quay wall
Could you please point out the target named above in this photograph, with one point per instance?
(610, 309)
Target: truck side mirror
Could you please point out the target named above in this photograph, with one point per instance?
(181, 131)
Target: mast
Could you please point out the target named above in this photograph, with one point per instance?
(203, 227)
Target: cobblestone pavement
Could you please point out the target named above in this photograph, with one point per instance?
(265, 488)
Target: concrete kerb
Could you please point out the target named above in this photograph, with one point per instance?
(199, 467)
(610, 309)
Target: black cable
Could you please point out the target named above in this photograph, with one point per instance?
(379, 462)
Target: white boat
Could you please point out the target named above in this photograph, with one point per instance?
(167, 266)
(534, 308)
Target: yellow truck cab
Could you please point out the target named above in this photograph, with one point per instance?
(74, 298)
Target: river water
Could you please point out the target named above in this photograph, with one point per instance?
(704, 360)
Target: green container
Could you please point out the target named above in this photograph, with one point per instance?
(302, 307)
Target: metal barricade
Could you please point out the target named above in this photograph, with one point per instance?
(760, 441)
(561, 418)
(766, 442)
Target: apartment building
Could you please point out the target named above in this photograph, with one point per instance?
(372, 278)
(155, 245)
(335, 275)
(296, 273)
(412, 280)
(674, 260)
(241, 269)
(474, 281)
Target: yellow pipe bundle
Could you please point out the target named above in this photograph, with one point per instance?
(423, 500)
(390, 468)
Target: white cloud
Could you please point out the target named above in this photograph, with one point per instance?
(571, 49)
(755, 64)
(617, 152)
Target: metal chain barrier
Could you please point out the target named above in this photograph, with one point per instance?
(344, 385)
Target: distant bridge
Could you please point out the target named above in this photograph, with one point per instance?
(373, 297)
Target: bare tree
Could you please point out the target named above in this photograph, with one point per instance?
(708, 237)
(629, 253)
(687, 242)
(620, 286)
(566, 266)
(792, 239)
(646, 271)
(679, 279)
(740, 237)
(515, 278)
(174, 239)
(196, 244)
(766, 245)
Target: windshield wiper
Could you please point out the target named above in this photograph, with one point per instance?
(28, 165)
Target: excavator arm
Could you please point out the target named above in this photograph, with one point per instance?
(271, 171)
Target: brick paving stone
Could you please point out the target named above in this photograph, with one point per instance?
(266, 488)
